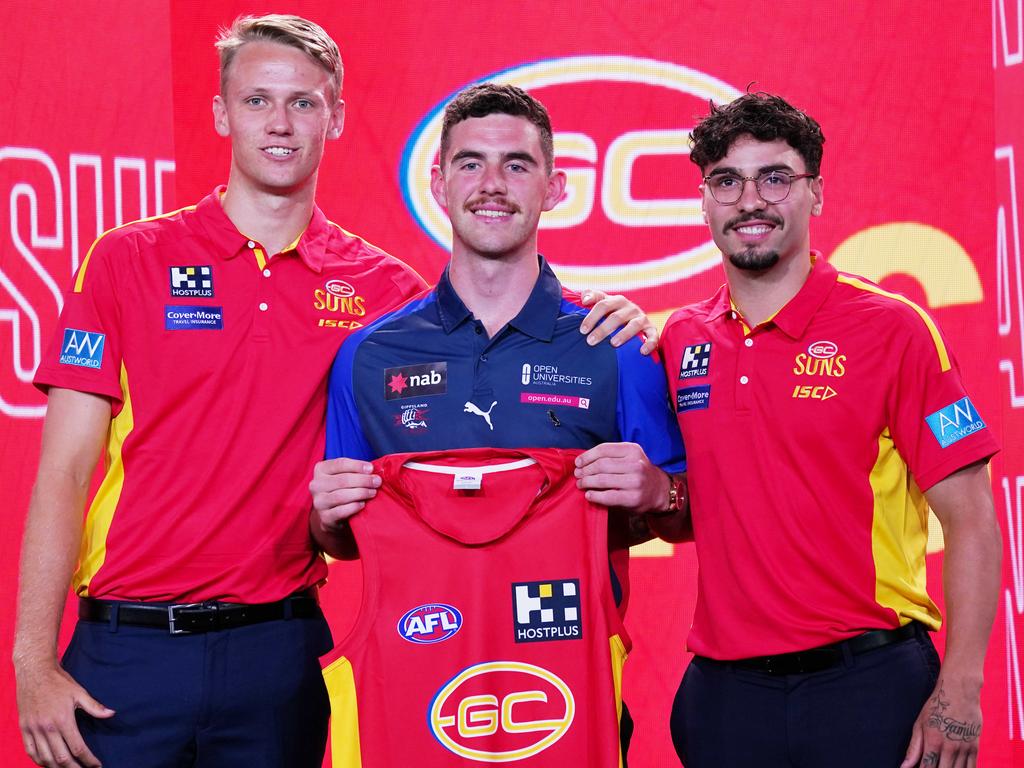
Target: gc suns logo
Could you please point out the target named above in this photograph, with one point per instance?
(599, 156)
(501, 711)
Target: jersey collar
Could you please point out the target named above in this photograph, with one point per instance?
(536, 318)
(793, 318)
(311, 247)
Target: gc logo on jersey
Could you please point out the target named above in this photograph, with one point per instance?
(430, 623)
(82, 348)
(501, 711)
(546, 610)
(339, 297)
(192, 281)
(696, 360)
(955, 422)
(416, 380)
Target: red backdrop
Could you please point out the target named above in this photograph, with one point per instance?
(108, 119)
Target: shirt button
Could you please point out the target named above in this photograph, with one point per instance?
(744, 379)
(749, 342)
(263, 306)
(732, 315)
(479, 329)
(483, 358)
(251, 244)
(266, 273)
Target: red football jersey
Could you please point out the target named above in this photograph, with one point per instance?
(488, 631)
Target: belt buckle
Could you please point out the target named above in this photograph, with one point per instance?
(172, 618)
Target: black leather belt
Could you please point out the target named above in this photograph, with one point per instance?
(826, 656)
(190, 618)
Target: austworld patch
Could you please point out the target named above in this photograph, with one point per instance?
(82, 348)
(955, 422)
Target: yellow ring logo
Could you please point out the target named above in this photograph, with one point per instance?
(465, 713)
(614, 193)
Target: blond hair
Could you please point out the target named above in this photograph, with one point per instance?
(294, 31)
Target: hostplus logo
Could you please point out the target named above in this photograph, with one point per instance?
(696, 360)
(546, 610)
(192, 281)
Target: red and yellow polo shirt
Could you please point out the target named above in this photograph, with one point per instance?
(215, 356)
(810, 440)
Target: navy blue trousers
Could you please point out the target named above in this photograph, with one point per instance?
(252, 696)
(855, 715)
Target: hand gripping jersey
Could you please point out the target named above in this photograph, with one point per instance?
(488, 632)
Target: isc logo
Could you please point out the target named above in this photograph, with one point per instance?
(610, 159)
(431, 623)
(501, 711)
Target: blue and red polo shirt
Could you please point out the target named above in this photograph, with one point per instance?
(215, 356)
(811, 439)
(426, 377)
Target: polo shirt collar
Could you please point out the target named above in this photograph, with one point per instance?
(537, 317)
(793, 318)
(311, 248)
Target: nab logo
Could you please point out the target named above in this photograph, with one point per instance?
(501, 711)
(192, 281)
(429, 624)
(624, 179)
(955, 422)
(82, 348)
(415, 380)
(696, 361)
(546, 610)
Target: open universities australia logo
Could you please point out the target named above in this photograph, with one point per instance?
(546, 610)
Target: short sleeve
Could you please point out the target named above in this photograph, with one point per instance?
(345, 437)
(85, 352)
(935, 425)
(644, 414)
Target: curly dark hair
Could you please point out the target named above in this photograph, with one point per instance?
(485, 99)
(765, 117)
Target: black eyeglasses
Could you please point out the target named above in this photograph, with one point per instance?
(771, 186)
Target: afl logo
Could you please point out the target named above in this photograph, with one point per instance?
(431, 623)
(501, 711)
(629, 186)
(823, 350)
(340, 288)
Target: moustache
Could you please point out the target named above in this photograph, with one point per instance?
(498, 201)
(745, 217)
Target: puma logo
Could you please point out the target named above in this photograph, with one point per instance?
(470, 408)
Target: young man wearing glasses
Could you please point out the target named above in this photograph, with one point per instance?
(826, 415)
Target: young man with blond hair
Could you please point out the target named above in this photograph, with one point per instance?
(193, 346)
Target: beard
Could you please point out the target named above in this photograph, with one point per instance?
(754, 259)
